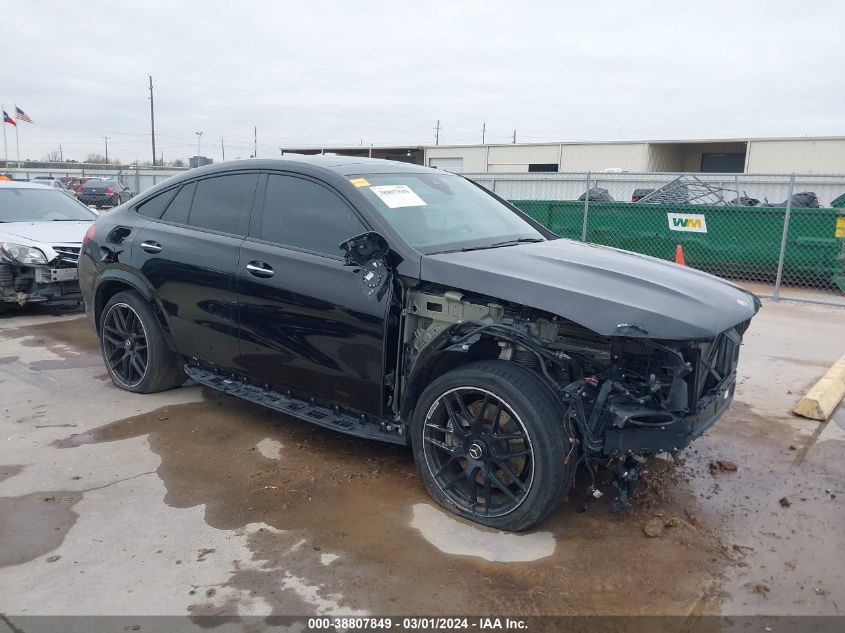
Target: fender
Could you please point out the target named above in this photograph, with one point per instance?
(137, 283)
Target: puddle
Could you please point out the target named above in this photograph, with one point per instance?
(39, 521)
(68, 336)
(453, 536)
(339, 514)
(7, 471)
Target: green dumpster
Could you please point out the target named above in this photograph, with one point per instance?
(740, 242)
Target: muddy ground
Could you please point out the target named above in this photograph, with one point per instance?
(192, 502)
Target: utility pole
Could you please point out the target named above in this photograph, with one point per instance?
(437, 133)
(199, 136)
(514, 137)
(483, 132)
(255, 141)
(152, 121)
(223, 149)
(61, 156)
(106, 138)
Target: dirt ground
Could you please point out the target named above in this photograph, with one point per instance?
(192, 502)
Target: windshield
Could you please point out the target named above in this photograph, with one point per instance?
(442, 212)
(41, 205)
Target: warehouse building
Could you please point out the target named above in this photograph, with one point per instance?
(807, 155)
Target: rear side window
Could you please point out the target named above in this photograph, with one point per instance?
(181, 205)
(304, 214)
(224, 203)
(154, 207)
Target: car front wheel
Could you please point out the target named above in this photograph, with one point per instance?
(488, 441)
(134, 348)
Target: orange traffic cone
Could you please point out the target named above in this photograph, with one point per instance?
(679, 256)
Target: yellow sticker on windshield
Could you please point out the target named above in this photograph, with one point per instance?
(360, 182)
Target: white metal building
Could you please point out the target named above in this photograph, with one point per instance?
(807, 155)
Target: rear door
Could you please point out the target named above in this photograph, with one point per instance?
(306, 322)
(189, 256)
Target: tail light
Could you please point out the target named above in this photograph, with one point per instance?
(89, 235)
(109, 191)
(633, 198)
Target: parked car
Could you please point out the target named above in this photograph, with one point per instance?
(55, 183)
(597, 194)
(406, 304)
(75, 184)
(640, 193)
(41, 232)
(103, 192)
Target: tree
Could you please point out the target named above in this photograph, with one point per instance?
(177, 163)
(96, 159)
(53, 157)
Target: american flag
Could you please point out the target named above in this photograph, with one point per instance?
(22, 116)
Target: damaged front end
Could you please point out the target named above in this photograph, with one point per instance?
(44, 274)
(626, 398)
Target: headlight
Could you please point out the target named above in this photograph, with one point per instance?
(20, 254)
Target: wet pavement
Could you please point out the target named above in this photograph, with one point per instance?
(192, 502)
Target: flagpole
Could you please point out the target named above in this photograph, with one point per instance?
(5, 147)
(17, 140)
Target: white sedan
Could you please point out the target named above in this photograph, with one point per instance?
(41, 232)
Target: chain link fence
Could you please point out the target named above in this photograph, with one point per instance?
(780, 236)
(138, 179)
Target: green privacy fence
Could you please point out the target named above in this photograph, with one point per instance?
(735, 242)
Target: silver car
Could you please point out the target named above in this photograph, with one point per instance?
(41, 231)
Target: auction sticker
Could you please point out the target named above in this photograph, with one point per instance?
(396, 196)
(691, 222)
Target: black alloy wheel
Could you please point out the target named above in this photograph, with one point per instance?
(125, 346)
(478, 452)
(489, 443)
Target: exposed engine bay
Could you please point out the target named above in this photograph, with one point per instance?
(625, 399)
(55, 281)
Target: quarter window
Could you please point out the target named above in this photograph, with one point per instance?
(154, 207)
(224, 203)
(181, 205)
(304, 214)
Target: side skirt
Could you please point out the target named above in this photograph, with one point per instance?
(333, 418)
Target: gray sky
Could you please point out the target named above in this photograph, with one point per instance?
(311, 73)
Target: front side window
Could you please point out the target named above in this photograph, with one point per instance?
(439, 212)
(306, 215)
(223, 203)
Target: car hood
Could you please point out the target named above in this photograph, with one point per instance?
(612, 292)
(44, 232)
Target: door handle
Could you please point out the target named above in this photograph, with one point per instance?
(151, 247)
(259, 269)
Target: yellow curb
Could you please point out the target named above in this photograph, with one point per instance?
(822, 399)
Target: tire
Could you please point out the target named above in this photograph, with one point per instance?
(458, 467)
(146, 364)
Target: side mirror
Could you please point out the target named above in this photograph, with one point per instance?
(365, 248)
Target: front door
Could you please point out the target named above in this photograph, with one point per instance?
(307, 324)
(190, 256)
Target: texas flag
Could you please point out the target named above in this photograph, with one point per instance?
(8, 119)
(22, 116)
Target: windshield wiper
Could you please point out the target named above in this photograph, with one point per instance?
(521, 240)
(513, 242)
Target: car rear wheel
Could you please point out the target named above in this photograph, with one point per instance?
(489, 444)
(134, 348)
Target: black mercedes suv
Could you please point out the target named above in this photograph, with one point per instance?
(409, 305)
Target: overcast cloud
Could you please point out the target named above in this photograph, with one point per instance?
(342, 73)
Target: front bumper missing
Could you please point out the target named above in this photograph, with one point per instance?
(674, 433)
